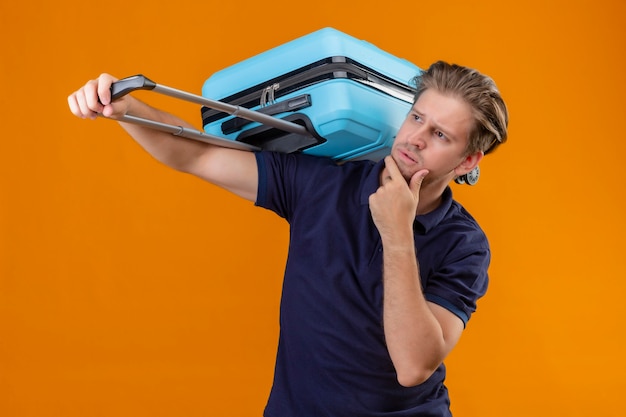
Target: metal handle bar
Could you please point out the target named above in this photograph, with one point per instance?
(139, 82)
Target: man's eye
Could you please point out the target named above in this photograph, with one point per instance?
(440, 135)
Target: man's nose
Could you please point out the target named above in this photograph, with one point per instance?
(417, 137)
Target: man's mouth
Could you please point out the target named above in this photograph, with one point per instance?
(408, 157)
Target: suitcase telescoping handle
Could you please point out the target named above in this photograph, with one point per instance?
(127, 85)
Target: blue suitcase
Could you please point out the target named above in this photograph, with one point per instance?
(325, 94)
(350, 95)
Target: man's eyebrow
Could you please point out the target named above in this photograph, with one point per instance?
(437, 126)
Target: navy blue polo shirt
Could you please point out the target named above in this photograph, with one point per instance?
(332, 359)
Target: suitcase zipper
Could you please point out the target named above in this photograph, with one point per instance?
(326, 69)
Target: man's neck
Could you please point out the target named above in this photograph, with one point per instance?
(429, 200)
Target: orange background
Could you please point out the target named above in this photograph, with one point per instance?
(127, 289)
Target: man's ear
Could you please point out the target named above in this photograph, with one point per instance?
(469, 163)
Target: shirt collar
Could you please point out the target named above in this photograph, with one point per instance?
(424, 222)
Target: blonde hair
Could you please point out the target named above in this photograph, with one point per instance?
(480, 92)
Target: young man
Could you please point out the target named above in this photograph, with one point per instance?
(384, 267)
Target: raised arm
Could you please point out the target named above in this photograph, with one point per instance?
(419, 334)
(231, 169)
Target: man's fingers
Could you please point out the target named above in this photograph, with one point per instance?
(393, 172)
(392, 168)
(73, 103)
(94, 98)
(90, 97)
(79, 105)
(104, 88)
(416, 181)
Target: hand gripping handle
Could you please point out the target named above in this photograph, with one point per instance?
(129, 84)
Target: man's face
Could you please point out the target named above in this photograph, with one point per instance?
(434, 136)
